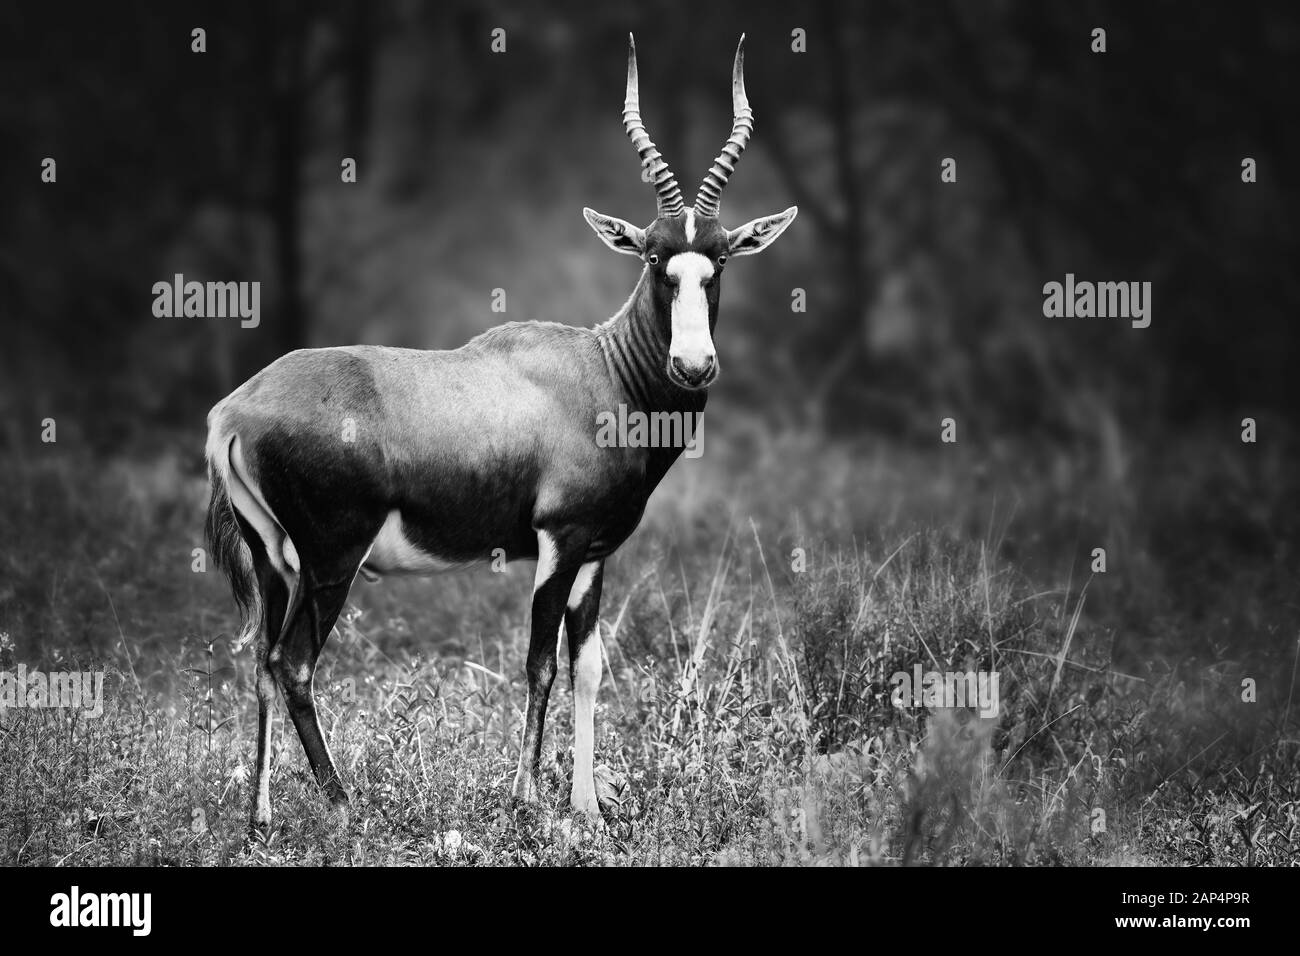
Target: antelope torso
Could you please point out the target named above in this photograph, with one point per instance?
(443, 458)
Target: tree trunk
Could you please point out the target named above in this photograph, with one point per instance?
(287, 106)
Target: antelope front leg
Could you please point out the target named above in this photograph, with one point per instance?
(581, 622)
(558, 559)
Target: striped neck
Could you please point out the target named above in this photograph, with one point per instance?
(635, 344)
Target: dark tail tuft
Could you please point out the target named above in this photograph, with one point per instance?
(230, 553)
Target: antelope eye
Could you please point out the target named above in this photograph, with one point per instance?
(722, 260)
(653, 258)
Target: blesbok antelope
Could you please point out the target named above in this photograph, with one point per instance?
(335, 461)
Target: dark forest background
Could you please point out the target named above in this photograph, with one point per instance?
(924, 298)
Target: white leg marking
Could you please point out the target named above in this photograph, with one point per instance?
(586, 682)
(263, 805)
(525, 788)
(582, 584)
(266, 700)
(548, 558)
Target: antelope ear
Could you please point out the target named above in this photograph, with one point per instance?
(757, 234)
(614, 232)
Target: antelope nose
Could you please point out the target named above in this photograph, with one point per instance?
(696, 375)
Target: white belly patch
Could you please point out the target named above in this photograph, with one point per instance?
(393, 553)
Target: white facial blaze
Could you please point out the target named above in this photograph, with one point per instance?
(691, 342)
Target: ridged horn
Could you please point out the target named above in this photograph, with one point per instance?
(708, 200)
(668, 194)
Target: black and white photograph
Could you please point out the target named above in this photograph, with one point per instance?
(485, 435)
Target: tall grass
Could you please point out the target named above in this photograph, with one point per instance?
(745, 716)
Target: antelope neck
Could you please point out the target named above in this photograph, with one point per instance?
(635, 344)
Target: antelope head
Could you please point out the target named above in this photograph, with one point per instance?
(686, 250)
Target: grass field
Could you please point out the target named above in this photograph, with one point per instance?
(745, 713)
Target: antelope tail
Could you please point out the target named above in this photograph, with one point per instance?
(230, 553)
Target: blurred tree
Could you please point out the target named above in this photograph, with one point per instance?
(1123, 165)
